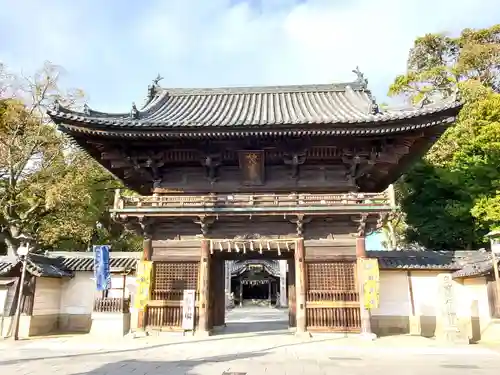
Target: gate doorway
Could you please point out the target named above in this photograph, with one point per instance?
(252, 292)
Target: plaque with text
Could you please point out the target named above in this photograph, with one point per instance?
(252, 167)
(188, 309)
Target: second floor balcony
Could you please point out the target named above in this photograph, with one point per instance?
(268, 204)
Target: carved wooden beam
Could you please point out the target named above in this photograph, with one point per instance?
(211, 162)
(294, 160)
(205, 222)
(299, 222)
(146, 223)
(361, 220)
(381, 220)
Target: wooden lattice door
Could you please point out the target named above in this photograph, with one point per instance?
(332, 297)
(170, 279)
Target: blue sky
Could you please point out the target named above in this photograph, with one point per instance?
(113, 49)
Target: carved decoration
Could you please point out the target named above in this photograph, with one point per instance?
(360, 78)
(205, 223)
(361, 229)
(56, 106)
(248, 236)
(86, 109)
(211, 162)
(299, 222)
(146, 224)
(374, 108)
(153, 88)
(134, 113)
(252, 167)
(381, 220)
(294, 160)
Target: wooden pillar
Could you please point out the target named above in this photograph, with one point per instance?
(204, 290)
(241, 292)
(270, 289)
(292, 306)
(300, 287)
(147, 252)
(366, 329)
(218, 292)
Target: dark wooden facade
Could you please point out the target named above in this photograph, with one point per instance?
(296, 172)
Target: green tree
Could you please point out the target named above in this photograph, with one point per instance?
(48, 189)
(450, 199)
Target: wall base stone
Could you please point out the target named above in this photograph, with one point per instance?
(110, 324)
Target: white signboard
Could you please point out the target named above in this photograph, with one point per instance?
(188, 309)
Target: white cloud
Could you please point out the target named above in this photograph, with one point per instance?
(222, 42)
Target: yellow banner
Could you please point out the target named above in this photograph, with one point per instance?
(144, 269)
(371, 283)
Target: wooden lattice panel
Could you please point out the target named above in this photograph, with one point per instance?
(170, 279)
(331, 276)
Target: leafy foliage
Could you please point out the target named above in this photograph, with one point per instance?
(451, 199)
(48, 190)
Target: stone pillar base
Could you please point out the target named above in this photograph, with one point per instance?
(200, 333)
(367, 336)
(415, 328)
(110, 324)
(303, 335)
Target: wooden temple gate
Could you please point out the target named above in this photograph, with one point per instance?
(322, 295)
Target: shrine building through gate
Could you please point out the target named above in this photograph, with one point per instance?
(295, 173)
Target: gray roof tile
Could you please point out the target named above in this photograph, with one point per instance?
(340, 104)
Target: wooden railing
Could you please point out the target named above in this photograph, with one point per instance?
(112, 305)
(331, 310)
(316, 296)
(253, 201)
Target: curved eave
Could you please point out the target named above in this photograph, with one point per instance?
(370, 129)
(121, 125)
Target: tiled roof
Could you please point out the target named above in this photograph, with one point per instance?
(408, 260)
(85, 261)
(6, 265)
(37, 265)
(461, 263)
(43, 266)
(271, 266)
(340, 105)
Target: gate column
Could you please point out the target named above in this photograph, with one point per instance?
(300, 287)
(366, 328)
(204, 290)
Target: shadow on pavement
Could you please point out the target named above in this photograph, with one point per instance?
(191, 366)
(151, 347)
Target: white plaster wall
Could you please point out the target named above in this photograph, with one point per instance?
(394, 294)
(79, 292)
(47, 296)
(425, 292)
(476, 299)
(77, 295)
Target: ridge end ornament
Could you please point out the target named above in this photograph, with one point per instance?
(154, 87)
(360, 78)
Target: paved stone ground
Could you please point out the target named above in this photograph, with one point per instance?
(242, 350)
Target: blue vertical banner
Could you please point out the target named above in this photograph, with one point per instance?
(101, 267)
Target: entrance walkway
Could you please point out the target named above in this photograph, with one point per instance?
(256, 319)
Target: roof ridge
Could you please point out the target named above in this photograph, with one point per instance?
(341, 86)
